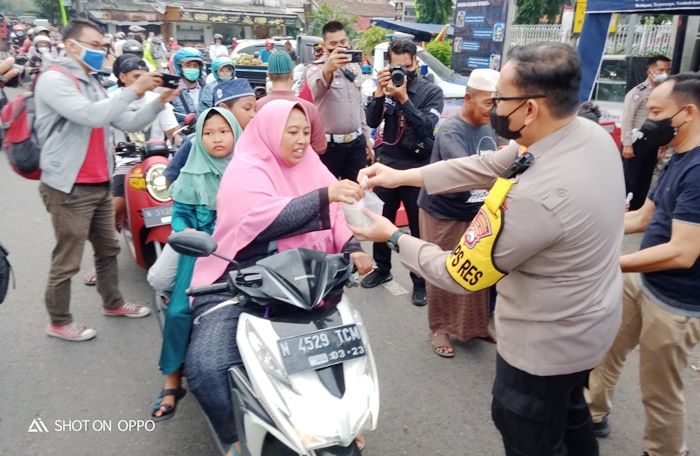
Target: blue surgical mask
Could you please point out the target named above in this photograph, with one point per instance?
(92, 58)
(191, 74)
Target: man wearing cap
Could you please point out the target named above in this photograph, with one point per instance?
(280, 70)
(335, 85)
(410, 110)
(444, 218)
(217, 49)
(237, 96)
(117, 45)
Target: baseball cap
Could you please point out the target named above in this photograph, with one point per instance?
(231, 90)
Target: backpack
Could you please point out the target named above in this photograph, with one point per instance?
(20, 138)
(5, 272)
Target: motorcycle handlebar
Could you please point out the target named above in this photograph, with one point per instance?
(207, 289)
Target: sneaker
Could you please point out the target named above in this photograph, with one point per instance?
(74, 332)
(418, 298)
(128, 309)
(601, 429)
(375, 278)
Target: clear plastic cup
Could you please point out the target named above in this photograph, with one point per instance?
(354, 214)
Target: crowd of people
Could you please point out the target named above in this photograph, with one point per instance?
(506, 232)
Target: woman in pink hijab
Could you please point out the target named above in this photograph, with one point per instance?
(275, 195)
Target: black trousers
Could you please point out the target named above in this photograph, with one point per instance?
(638, 172)
(344, 161)
(392, 200)
(542, 416)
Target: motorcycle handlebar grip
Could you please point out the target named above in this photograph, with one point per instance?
(207, 289)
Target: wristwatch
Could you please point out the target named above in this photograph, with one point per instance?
(393, 241)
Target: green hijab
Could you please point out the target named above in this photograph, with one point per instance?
(199, 179)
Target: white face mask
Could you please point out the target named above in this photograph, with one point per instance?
(659, 78)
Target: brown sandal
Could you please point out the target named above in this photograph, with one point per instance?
(441, 343)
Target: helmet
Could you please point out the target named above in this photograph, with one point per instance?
(186, 54)
(41, 39)
(219, 63)
(132, 47)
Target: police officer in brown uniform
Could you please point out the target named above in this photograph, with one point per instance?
(639, 155)
(335, 84)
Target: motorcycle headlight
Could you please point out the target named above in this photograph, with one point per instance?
(156, 184)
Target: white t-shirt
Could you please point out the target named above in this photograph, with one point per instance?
(217, 50)
(163, 122)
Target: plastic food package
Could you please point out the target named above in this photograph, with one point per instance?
(354, 214)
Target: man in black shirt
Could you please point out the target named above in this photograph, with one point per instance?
(410, 109)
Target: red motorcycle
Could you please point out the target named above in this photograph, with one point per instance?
(148, 206)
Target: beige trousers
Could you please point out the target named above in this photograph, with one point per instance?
(665, 340)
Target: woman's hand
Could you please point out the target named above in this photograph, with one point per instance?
(380, 231)
(345, 191)
(363, 262)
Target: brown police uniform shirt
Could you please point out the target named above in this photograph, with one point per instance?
(340, 102)
(635, 111)
(559, 308)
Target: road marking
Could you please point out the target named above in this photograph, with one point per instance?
(395, 289)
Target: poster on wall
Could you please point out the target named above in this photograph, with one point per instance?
(479, 34)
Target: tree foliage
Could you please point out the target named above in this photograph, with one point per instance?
(531, 11)
(325, 13)
(434, 11)
(48, 9)
(370, 38)
(441, 50)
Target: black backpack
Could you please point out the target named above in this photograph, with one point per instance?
(5, 273)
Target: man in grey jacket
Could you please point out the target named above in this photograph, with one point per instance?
(72, 113)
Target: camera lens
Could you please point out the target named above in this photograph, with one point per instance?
(398, 76)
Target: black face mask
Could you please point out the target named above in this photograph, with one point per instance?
(501, 124)
(659, 132)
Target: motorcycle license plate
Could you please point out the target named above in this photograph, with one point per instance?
(321, 349)
(157, 216)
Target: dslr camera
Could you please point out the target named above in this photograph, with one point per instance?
(398, 75)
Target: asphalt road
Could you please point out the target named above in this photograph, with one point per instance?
(429, 405)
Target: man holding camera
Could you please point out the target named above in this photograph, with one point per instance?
(410, 107)
(335, 83)
(73, 114)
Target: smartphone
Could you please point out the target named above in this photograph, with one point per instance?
(170, 81)
(21, 60)
(355, 56)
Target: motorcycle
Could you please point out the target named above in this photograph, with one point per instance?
(148, 206)
(308, 384)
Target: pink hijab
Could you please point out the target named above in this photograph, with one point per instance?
(257, 185)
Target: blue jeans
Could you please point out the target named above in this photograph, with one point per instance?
(212, 351)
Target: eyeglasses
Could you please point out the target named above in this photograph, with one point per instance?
(497, 99)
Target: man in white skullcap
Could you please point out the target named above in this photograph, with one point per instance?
(444, 218)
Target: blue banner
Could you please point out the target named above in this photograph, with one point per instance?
(632, 6)
(479, 33)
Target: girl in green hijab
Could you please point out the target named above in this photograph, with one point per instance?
(194, 208)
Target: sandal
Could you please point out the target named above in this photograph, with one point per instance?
(441, 344)
(90, 279)
(169, 409)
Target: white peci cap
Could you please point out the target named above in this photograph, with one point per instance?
(483, 79)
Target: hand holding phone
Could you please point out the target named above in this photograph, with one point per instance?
(355, 56)
(170, 81)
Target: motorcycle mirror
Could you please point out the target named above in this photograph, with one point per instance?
(192, 243)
